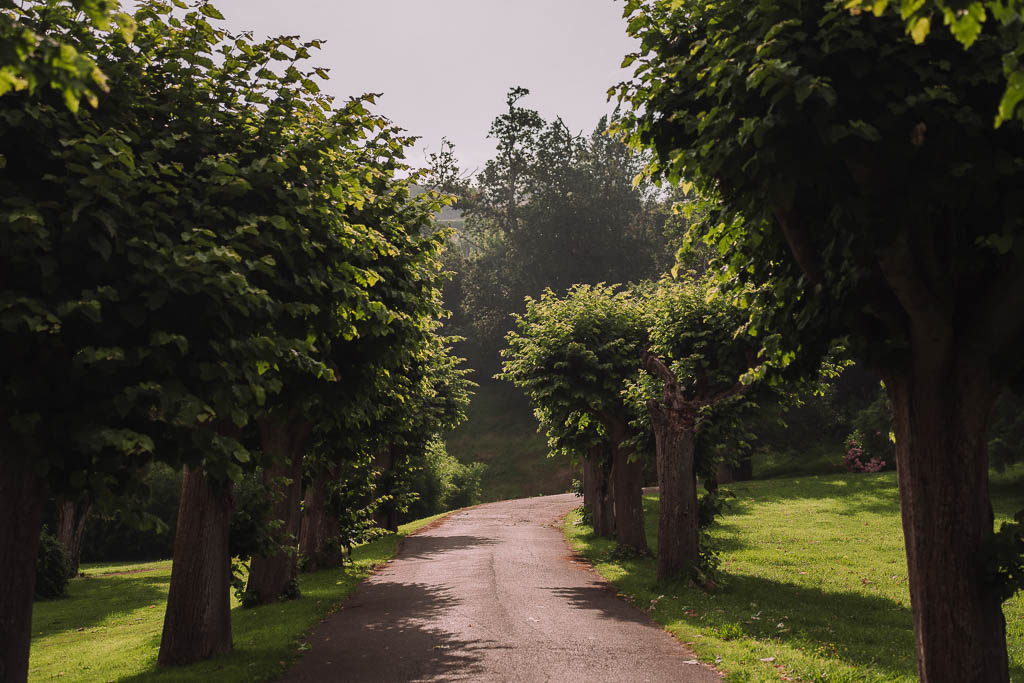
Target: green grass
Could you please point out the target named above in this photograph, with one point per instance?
(814, 577)
(502, 432)
(108, 627)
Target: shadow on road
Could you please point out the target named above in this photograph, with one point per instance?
(427, 547)
(382, 634)
(601, 599)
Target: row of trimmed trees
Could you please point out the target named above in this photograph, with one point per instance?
(214, 267)
(860, 184)
(608, 372)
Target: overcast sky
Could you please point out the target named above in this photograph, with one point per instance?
(444, 66)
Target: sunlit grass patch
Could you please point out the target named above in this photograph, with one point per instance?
(815, 583)
(108, 628)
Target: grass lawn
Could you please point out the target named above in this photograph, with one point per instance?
(815, 582)
(108, 627)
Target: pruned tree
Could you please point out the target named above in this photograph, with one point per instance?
(857, 179)
(213, 213)
(698, 357)
(572, 355)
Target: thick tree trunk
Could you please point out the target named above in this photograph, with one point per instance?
(386, 514)
(71, 518)
(285, 444)
(940, 411)
(197, 624)
(675, 443)
(627, 482)
(597, 491)
(22, 512)
(606, 499)
(318, 536)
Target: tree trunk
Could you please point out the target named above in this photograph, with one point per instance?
(386, 514)
(318, 536)
(22, 512)
(597, 493)
(606, 499)
(675, 443)
(71, 518)
(627, 482)
(940, 411)
(197, 624)
(285, 444)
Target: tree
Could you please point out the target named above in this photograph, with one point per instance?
(572, 356)
(698, 356)
(212, 213)
(858, 178)
(552, 209)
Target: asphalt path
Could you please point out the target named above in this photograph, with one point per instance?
(493, 593)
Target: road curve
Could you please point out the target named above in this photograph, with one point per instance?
(493, 593)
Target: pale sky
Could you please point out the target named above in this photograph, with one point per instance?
(444, 66)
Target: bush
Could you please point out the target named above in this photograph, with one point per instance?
(857, 459)
(874, 423)
(52, 567)
(443, 483)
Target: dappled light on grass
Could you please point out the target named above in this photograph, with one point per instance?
(814, 580)
(108, 628)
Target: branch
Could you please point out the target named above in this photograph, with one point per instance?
(656, 367)
(796, 237)
(734, 390)
(897, 265)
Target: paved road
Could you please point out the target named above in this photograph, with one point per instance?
(493, 594)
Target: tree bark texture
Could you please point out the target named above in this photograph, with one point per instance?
(940, 414)
(675, 443)
(22, 513)
(627, 491)
(197, 624)
(597, 495)
(318, 535)
(386, 515)
(71, 518)
(285, 444)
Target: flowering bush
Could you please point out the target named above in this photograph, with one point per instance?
(856, 458)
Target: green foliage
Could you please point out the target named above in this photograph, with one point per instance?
(552, 209)
(225, 248)
(41, 44)
(874, 422)
(832, 146)
(52, 567)
(966, 20)
(142, 528)
(1006, 431)
(572, 357)
(442, 483)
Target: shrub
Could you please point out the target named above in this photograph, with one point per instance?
(443, 483)
(857, 459)
(875, 425)
(52, 567)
